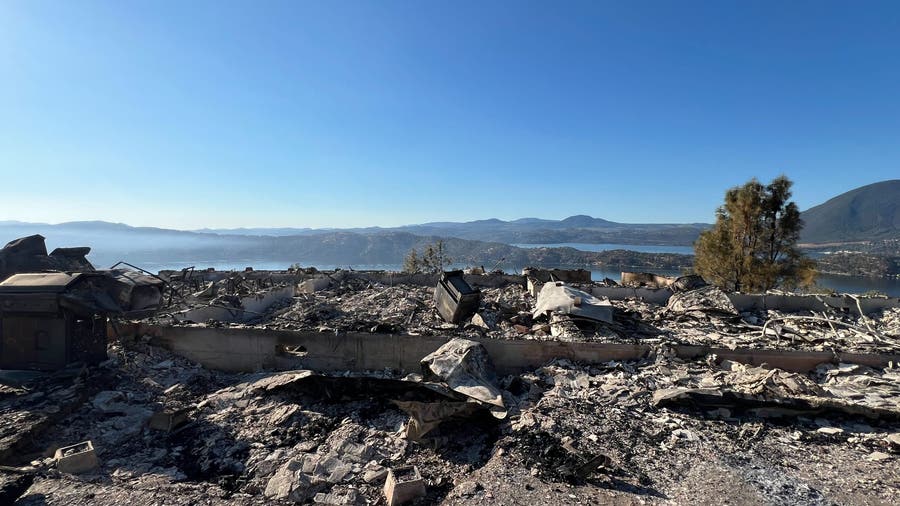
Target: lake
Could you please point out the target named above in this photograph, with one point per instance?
(641, 248)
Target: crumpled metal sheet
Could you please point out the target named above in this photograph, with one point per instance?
(466, 368)
(769, 381)
(687, 283)
(117, 291)
(560, 298)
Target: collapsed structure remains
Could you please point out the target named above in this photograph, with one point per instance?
(345, 387)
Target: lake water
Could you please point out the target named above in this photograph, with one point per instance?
(856, 284)
(683, 250)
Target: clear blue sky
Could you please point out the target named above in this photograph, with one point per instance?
(192, 114)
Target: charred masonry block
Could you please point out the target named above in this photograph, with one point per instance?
(403, 484)
(454, 298)
(76, 459)
(168, 420)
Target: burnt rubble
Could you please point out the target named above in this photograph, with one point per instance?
(573, 434)
(465, 422)
(701, 315)
(54, 308)
(29, 254)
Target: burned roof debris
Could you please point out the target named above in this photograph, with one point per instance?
(29, 254)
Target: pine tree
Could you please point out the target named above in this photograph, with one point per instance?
(442, 258)
(429, 259)
(411, 263)
(753, 245)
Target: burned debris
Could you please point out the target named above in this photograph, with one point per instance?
(706, 299)
(358, 388)
(54, 308)
(48, 320)
(454, 299)
(29, 254)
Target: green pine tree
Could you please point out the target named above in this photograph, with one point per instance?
(753, 245)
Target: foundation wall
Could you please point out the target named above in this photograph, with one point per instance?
(247, 350)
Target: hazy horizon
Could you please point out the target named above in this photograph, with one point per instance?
(334, 227)
(302, 227)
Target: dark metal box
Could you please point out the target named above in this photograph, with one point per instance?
(36, 332)
(454, 299)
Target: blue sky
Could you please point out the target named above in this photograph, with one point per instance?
(220, 114)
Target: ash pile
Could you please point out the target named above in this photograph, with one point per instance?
(148, 427)
(453, 303)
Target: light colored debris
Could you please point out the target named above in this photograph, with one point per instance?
(403, 484)
(560, 298)
(705, 299)
(467, 368)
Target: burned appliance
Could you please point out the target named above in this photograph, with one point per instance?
(37, 332)
(454, 299)
(50, 319)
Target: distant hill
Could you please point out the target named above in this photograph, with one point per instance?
(867, 213)
(574, 229)
(149, 247)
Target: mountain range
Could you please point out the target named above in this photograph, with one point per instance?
(155, 247)
(868, 213)
(574, 229)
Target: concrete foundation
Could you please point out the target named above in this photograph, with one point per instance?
(420, 279)
(565, 275)
(248, 350)
(653, 295)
